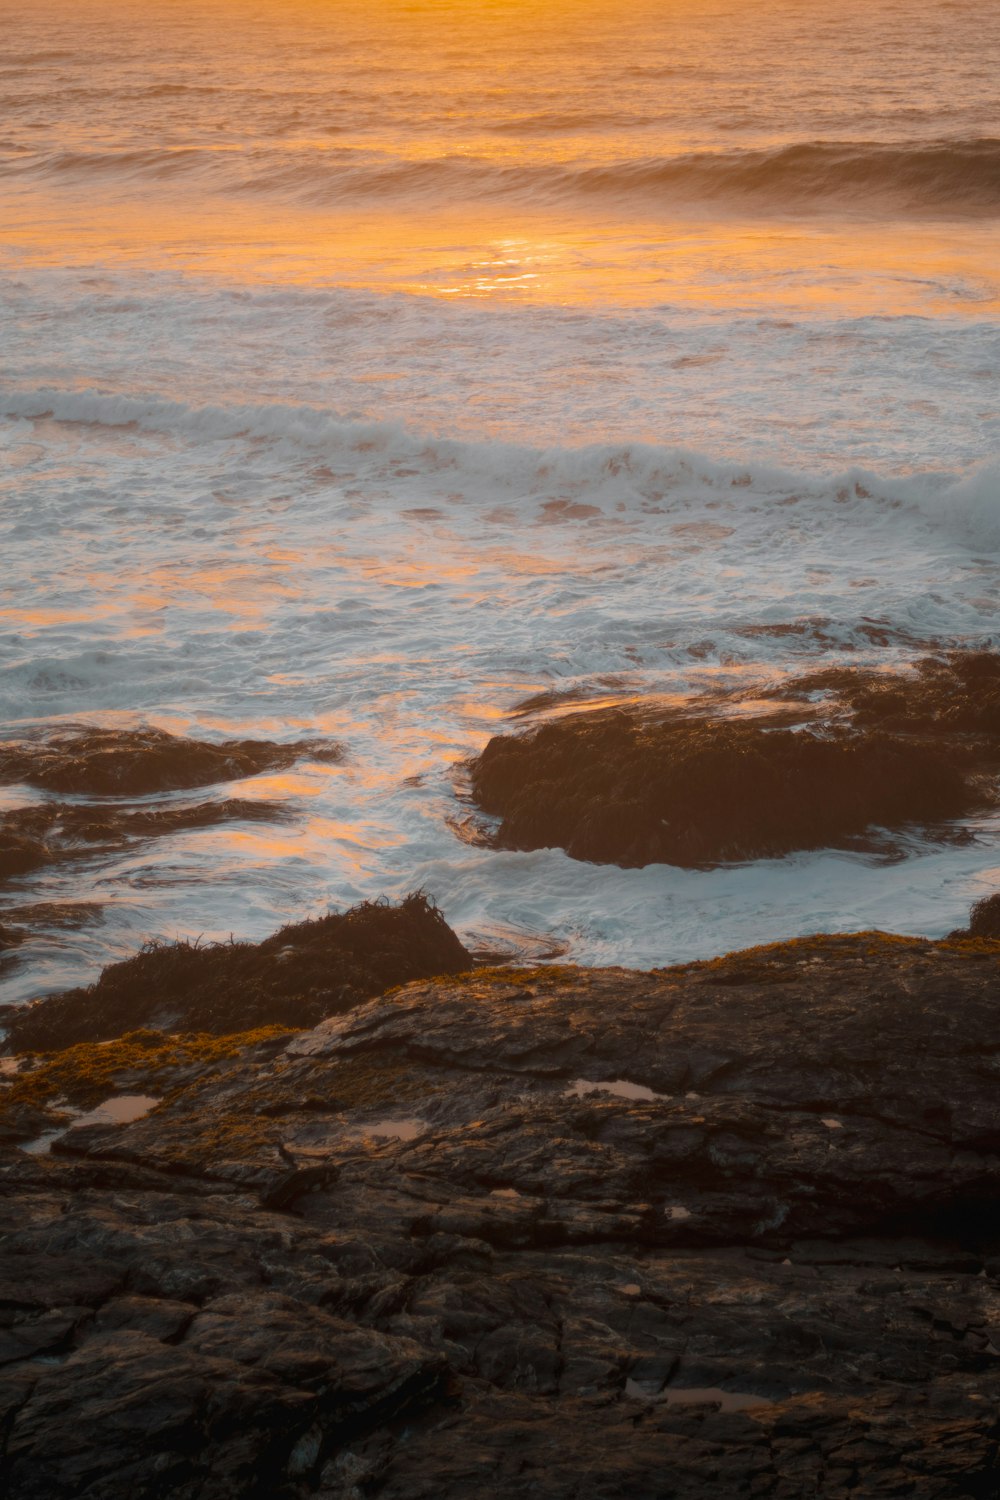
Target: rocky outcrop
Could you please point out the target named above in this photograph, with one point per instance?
(719, 1230)
(848, 755)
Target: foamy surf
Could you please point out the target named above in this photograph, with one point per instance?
(546, 483)
(275, 569)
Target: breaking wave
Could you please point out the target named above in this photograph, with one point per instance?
(629, 476)
(950, 177)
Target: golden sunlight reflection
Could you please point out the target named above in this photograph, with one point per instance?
(480, 254)
(353, 844)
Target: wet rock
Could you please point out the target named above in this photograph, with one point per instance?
(53, 832)
(406, 1254)
(942, 697)
(101, 765)
(135, 762)
(244, 1406)
(20, 851)
(612, 790)
(10, 937)
(299, 975)
(867, 752)
(23, 918)
(118, 764)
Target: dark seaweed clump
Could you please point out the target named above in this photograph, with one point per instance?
(894, 751)
(296, 977)
(984, 920)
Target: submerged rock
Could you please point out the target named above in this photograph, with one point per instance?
(50, 832)
(717, 1230)
(135, 762)
(693, 787)
(20, 850)
(10, 937)
(103, 768)
(293, 978)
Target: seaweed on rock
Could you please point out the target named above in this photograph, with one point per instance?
(636, 786)
(296, 977)
(686, 792)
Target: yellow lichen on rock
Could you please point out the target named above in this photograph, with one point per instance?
(87, 1073)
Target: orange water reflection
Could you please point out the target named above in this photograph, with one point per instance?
(842, 268)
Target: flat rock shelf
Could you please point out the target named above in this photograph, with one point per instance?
(729, 1229)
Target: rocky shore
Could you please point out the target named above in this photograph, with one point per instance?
(725, 1229)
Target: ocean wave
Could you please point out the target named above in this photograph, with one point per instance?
(627, 476)
(152, 162)
(555, 122)
(959, 176)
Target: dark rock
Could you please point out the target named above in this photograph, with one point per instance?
(134, 762)
(690, 787)
(607, 788)
(20, 852)
(10, 937)
(294, 978)
(555, 1232)
(945, 696)
(52, 832)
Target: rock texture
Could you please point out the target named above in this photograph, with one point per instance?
(849, 755)
(722, 1230)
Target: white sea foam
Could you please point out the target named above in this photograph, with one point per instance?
(619, 478)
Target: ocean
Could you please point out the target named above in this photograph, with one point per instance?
(368, 370)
